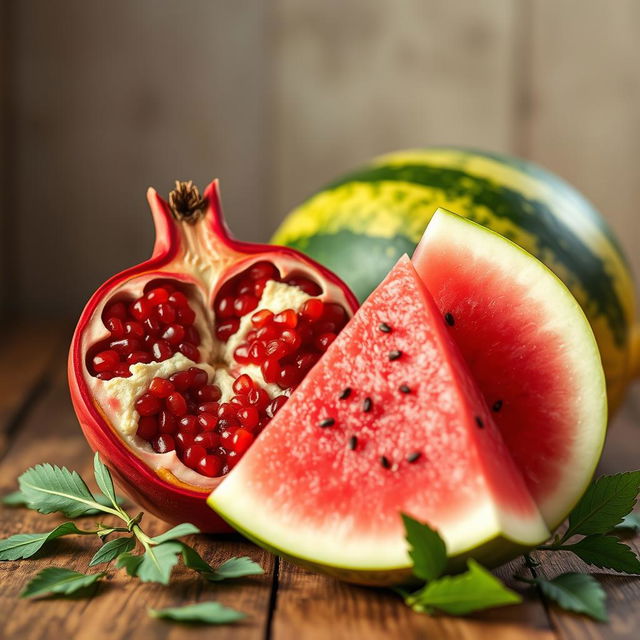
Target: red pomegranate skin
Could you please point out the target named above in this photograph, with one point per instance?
(157, 490)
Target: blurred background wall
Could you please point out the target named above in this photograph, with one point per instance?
(101, 99)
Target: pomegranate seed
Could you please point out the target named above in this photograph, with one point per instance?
(115, 326)
(323, 341)
(160, 387)
(116, 310)
(226, 411)
(164, 443)
(262, 317)
(257, 352)
(192, 335)
(308, 286)
(229, 424)
(182, 380)
(261, 270)
(207, 421)
(245, 288)
(121, 371)
(176, 403)
(240, 400)
(275, 405)
(209, 393)
(259, 399)
(208, 407)
(258, 287)
(167, 422)
(126, 346)
(199, 377)
(105, 375)
(227, 328)
(291, 338)
(193, 455)
(140, 309)
(139, 356)
(232, 459)
(288, 376)
(224, 307)
(105, 360)
(267, 333)
(210, 466)
(244, 303)
(152, 327)
(312, 309)
(147, 427)
(270, 370)
(288, 317)
(188, 424)
(241, 354)
(208, 440)
(134, 329)
(189, 351)
(304, 361)
(174, 334)
(157, 296)
(243, 384)
(178, 299)
(147, 405)
(161, 350)
(248, 417)
(184, 440)
(166, 313)
(186, 315)
(335, 313)
(242, 440)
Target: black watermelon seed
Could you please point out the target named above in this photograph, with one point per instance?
(412, 457)
(479, 422)
(367, 404)
(345, 393)
(384, 461)
(384, 327)
(449, 319)
(497, 405)
(395, 354)
(353, 442)
(327, 422)
(404, 388)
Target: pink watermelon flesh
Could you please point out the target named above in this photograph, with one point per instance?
(534, 361)
(332, 495)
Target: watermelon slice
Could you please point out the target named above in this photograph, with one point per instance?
(388, 421)
(530, 350)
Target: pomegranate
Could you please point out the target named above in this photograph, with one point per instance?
(177, 364)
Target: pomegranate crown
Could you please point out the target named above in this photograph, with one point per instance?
(186, 203)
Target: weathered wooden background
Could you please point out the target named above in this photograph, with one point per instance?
(101, 99)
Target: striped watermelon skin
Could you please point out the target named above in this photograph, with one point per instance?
(360, 224)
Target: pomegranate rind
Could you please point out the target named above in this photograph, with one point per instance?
(527, 343)
(158, 489)
(302, 491)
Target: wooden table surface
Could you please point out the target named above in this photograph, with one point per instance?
(37, 424)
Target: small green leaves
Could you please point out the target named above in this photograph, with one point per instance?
(426, 548)
(203, 613)
(232, 568)
(630, 521)
(473, 590)
(48, 488)
(104, 481)
(184, 529)
(606, 552)
(14, 499)
(60, 581)
(606, 502)
(25, 545)
(155, 565)
(129, 562)
(577, 592)
(111, 550)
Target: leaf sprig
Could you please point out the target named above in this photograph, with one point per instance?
(48, 488)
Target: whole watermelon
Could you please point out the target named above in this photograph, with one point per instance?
(361, 223)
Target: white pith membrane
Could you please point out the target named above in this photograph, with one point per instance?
(584, 389)
(273, 497)
(116, 397)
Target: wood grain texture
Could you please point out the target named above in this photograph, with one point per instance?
(109, 102)
(357, 79)
(50, 433)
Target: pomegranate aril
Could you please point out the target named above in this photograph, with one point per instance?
(188, 424)
(199, 377)
(267, 333)
(259, 399)
(167, 422)
(228, 424)
(304, 361)
(125, 346)
(147, 427)
(210, 466)
(186, 315)
(193, 455)
(288, 317)
(308, 286)
(174, 334)
(242, 440)
(263, 270)
(275, 350)
(209, 393)
(183, 440)
(147, 405)
(208, 407)
(176, 403)
(192, 335)
(257, 352)
(105, 360)
(241, 354)
(243, 384)
(224, 307)
(178, 299)
(139, 356)
(288, 376)
(157, 296)
(258, 287)
(244, 303)
(226, 411)
(227, 328)
(249, 417)
(312, 309)
(182, 380)
(116, 310)
(141, 309)
(245, 288)
(291, 338)
(270, 369)
(161, 388)
(335, 313)
(323, 341)
(166, 313)
(164, 443)
(134, 329)
(232, 458)
(152, 327)
(189, 350)
(161, 350)
(275, 405)
(207, 421)
(208, 440)
(261, 318)
(105, 375)
(121, 371)
(116, 327)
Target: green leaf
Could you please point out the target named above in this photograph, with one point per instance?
(61, 581)
(426, 548)
(25, 545)
(130, 562)
(50, 488)
(111, 550)
(203, 612)
(630, 521)
(577, 592)
(461, 594)
(104, 480)
(184, 529)
(232, 568)
(14, 499)
(606, 552)
(604, 505)
(158, 562)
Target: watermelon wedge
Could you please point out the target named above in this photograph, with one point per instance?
(530, 350)
(389, 421)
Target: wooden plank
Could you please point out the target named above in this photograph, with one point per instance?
(584, 116)
(139, 95)
(118, 609)
(357, 79)
(313, 606)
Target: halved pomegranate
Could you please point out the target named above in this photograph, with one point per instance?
(177, 364)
